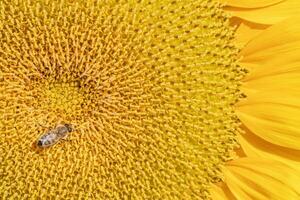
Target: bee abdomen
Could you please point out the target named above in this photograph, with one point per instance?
(47, 140)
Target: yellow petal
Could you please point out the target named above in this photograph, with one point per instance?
(281, 88)
(250, 3)
(274, 51)
(271, 14)
(273, 87)
(220, 192)
(268, 58)
(272, 107)
(255, 147)
(249, 178)
(276, 85)
(247, 31)
(274, 122)
(271, 67)
(280, 34)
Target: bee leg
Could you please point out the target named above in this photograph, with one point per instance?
(41, 125)
(65, 138)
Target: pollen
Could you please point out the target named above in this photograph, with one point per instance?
(149, 85)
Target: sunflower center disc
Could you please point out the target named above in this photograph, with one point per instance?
(61, 97)
(152, 85)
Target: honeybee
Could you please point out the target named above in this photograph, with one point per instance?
(54, 135)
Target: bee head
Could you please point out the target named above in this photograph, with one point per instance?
(69, 127)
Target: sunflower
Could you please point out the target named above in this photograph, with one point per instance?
(155, 91)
